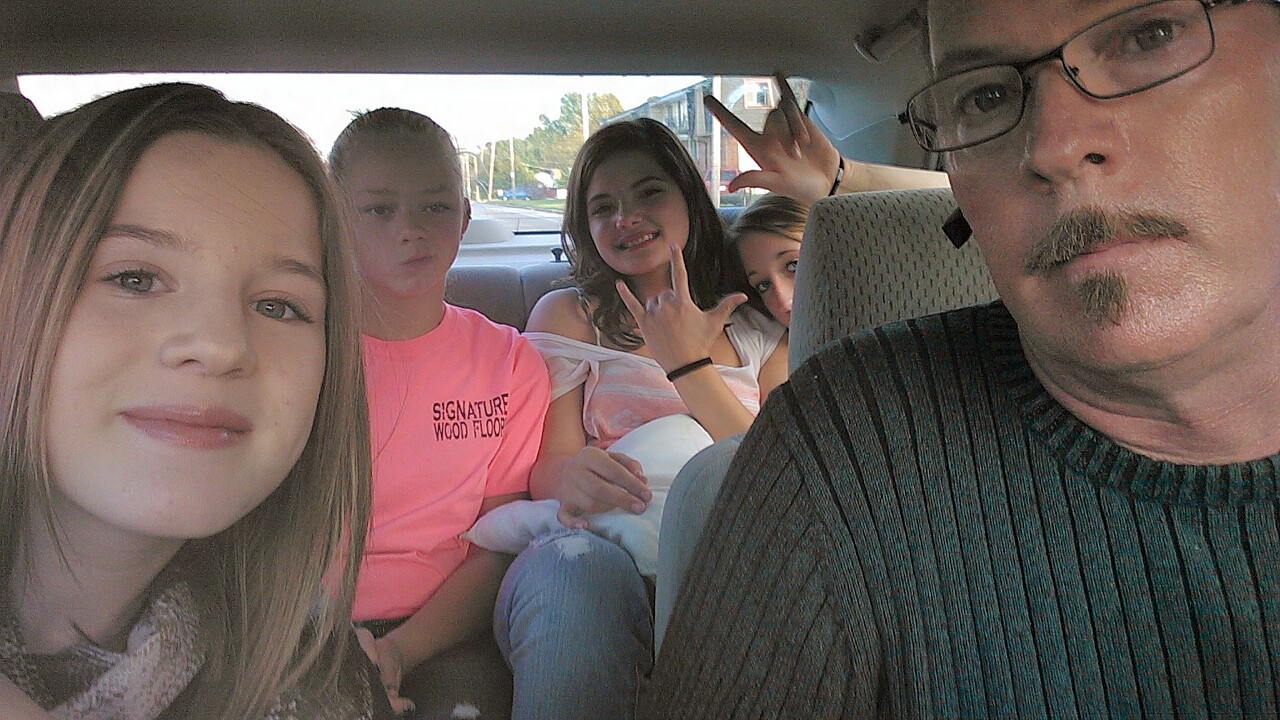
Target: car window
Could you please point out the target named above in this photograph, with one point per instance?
(517, 135)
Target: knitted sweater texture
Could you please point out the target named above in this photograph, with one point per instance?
(914, 528)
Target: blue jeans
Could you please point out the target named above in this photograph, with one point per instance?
(573, 622)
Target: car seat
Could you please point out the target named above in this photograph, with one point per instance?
(867, 259)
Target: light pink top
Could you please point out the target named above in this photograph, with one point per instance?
(623, 391)
(456, 417)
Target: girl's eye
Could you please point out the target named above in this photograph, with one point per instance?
(651, 190)
(136, 281)
(277, 309)
(791, 266)
(763, 286)
(602, 211)
(379, 210)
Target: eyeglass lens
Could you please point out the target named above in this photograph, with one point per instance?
(1120, 55)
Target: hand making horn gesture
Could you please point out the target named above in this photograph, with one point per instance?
(677, 331)
(795, 158)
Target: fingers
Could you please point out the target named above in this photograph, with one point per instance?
(791, 109)
(738, 129)
(619, 486)
(571, 516)
(388, 671)
(777, 126)
(766, 179)
(629, 299)
(727, 305)
(598, 481)
(400, 705)
(633, 466)
(679, 273)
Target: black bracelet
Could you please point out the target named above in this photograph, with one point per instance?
(686, 369)
(839, 176)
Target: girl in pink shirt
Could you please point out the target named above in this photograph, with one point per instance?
(456, 406)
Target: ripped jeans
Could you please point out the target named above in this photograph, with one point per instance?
(573, 621)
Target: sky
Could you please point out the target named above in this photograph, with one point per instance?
(474, 108)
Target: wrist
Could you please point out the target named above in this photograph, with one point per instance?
(835, 184)
(687, 368)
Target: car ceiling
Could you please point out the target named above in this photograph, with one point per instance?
(810, 37)
(855, 99)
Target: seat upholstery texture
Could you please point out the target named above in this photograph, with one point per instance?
(503, 293)
(877, 257)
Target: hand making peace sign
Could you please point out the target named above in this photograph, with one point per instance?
(674, 328)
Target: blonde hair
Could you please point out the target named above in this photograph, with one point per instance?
(773, 213)
(390, 123)
(258, 581)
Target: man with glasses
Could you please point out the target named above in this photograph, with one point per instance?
(1063, 504)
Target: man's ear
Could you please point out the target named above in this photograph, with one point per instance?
(466, 214)
(957, 228)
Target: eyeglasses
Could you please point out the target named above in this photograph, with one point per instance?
(1125, 53)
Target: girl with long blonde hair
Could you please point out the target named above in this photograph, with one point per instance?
(184, 470)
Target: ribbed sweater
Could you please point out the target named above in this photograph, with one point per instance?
(914, 528)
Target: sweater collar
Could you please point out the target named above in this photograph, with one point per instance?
(1095, 456)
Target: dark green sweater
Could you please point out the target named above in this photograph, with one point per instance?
(914, 528)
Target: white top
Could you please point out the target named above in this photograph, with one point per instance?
(624, 391)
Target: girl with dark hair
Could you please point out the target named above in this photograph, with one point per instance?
(645, 333)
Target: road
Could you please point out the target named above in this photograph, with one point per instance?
(517, 218)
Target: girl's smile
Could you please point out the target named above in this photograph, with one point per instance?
(201, 428)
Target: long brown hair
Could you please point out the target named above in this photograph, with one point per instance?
(773, 213)
(259, 581)
(591, 274)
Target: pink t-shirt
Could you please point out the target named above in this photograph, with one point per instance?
(456, 417)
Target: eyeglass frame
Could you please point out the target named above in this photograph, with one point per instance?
(906, 117)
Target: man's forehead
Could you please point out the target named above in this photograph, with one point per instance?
(965, 32)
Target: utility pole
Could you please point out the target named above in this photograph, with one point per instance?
(716, 92)
(465, 161)
(493, 155)
(513, 168)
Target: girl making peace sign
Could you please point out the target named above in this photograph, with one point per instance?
(645, 332)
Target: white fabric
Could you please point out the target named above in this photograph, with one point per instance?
(661, 446)
(622, 391)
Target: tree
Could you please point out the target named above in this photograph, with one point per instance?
(553, 145)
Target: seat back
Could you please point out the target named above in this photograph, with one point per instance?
(503, 293)
(867, 259)
(877, 257)
(491, 289)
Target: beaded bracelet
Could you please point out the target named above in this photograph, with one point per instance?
(686, 369)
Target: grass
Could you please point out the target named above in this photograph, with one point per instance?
(552, 205)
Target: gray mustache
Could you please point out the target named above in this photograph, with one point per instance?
(1087, 229)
